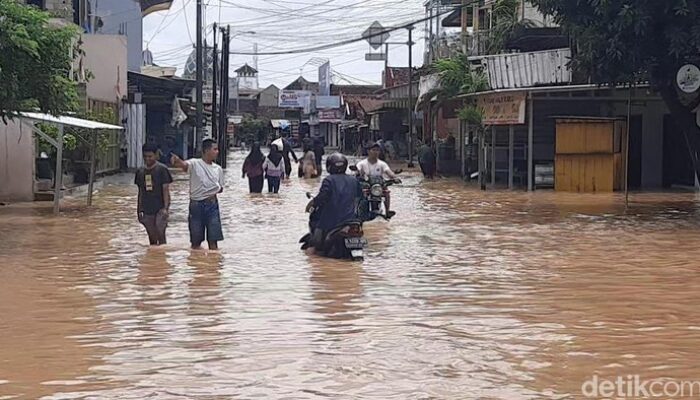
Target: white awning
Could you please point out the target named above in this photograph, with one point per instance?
(279, 123)
(69, 121)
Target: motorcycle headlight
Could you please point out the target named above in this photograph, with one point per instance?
(377, 190)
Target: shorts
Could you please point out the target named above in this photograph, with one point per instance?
(155, 227)
(205, 222)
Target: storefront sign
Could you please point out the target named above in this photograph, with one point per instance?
(294, 99)
(329, 115)
(323, 102)
(503, 109)
(688, 78)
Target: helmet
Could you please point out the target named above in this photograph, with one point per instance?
(336, 163)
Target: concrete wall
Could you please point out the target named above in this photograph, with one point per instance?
(123, 17)
(16, 162)
(106, 58)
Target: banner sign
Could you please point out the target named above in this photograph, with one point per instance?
(503, 108)
(294, 99)
(324, 102)
(324, 79)
(329, 115)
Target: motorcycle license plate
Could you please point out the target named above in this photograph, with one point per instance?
(355, 243)
(357, 253)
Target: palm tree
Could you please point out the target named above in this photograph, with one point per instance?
(506, 24)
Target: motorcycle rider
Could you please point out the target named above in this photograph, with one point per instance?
(337, 199)
(372, 166)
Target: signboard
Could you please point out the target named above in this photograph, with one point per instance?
(503, 108)
(688, 78)
(329, 115)
(376, 35)
(324, 79)
(375, 56)
(324, 102)
(294, 99)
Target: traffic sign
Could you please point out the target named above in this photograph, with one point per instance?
(376, 35)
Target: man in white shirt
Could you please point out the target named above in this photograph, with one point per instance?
(206, 181)
(372, 166)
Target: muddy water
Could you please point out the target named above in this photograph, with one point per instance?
(464, 295)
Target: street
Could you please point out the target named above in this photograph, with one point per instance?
(464, 294)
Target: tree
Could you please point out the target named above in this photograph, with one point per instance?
(35, 62)
(506, 25)
(253, 129)
(624, 41)
(456, 77)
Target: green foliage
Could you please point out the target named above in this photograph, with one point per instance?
(506, 25)
(35, 62)
(78, 139)
(456, 77)
(619, 40)
(253, 129)
(471, 114)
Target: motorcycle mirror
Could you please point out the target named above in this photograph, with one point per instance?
(308, 195)
(353, 168)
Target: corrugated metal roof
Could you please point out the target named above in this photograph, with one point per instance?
(69, 121)
(523, 70)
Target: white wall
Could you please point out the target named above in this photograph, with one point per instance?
(106, 58)
(16, 161)
(123, 17)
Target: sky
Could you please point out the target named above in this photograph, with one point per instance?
(283, 25)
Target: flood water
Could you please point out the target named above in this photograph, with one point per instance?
(464, 295)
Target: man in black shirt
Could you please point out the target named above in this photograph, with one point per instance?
(154, 182)
(286, 151)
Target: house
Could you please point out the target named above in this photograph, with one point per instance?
(532, 93)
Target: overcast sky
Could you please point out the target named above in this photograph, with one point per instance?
(282, 25)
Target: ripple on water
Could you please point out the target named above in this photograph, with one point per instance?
(466, 294)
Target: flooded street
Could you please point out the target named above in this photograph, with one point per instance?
(465, 294)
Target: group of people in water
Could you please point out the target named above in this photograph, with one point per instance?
(277, 165)
(207, 182)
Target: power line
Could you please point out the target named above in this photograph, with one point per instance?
(349, 41)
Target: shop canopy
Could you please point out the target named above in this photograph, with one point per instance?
(62, 121)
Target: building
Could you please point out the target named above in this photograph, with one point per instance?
(531, 92)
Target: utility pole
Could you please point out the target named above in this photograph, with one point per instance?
(255, 65)
(410, 96)
(199, 133)
(386, 63)
(215, 71)
(223, 120)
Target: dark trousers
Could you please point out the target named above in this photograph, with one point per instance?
(273, 184)
(428, 169)
(288, 167)
(255, 184)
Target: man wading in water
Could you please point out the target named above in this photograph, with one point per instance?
(206, 181)
(154, 182)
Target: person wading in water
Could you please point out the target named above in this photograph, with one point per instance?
(153, 182)
(253, 168)
(206, 182)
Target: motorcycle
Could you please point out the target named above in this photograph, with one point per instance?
(374, 190)
(345, 242)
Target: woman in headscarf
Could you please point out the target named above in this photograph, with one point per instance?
(307, 167)
(274, 167)
(253, 168)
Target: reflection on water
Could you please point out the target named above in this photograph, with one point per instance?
(465, 294)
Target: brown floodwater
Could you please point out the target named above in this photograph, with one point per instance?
(465, 294)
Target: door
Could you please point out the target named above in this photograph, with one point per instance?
(634, 166)
(678, 166)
